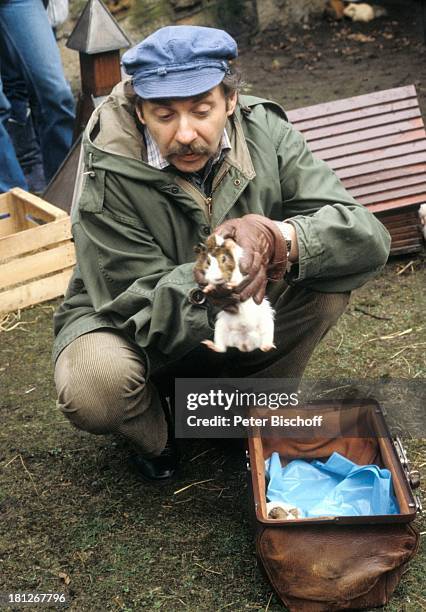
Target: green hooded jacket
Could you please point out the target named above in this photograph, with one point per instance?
(135, 226)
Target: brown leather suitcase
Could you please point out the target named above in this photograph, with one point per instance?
(336, 562)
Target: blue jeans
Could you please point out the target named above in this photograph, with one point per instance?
(21, 127)
(11, 174)
(27, 41)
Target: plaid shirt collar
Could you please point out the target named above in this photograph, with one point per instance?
(155, 159)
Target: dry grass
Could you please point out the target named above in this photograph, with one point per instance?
(74, 519)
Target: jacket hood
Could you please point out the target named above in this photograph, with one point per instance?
(112, 127)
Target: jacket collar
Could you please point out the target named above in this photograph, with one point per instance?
(239, 155)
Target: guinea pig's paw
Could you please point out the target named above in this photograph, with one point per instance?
(212, 346)
(209, 288)
(245, 346)
(267, 347)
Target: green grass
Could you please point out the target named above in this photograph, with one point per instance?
(72, 512)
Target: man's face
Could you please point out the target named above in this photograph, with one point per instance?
(188, 131)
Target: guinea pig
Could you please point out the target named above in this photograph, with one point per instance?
(364, 12)
(252, 326)
(282, 511)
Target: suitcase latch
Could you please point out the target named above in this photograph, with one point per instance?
(248, 467)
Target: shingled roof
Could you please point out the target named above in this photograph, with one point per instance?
(97, 31)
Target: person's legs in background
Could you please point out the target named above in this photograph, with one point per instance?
(20, 124)
(26, 31)
(11, 174)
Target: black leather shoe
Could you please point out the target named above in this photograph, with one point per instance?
(160, 468)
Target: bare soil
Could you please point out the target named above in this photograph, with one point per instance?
(329, 59)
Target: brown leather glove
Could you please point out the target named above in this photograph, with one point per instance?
(265, 253)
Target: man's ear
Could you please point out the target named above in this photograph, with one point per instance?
(139, 113)
(231, 103)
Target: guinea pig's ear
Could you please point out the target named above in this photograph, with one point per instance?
(200, 248)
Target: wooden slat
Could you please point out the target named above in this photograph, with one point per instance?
(392, 215)
(5, 199)
(373, 144)
(39, 264)
(410, 227)
(371, 99)
(383, 175)
(349, 112)
(393, 194)
(15, 219)
(411, 238)
(399, 250)
(401, 228)
(349, 122)
(320, 139)
(384, 154)
(409, 223)
(400, 203)
(398, 241)
(35, 292)
(407, 242)
(403, 233)
(36, 206)
(415, 179)
(411, 242)
(407, 217)
(7, 226)
(382, 164)
(361, 124)
(36, 238)
(404, 217)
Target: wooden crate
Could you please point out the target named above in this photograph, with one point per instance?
(36, 252)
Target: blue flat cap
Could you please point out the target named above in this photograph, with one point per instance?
(179, 61)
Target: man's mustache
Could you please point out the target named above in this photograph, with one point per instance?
(193, 148)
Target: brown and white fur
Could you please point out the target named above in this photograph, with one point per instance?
(252, 326)
(282, 511)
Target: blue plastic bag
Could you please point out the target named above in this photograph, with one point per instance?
(338, 487)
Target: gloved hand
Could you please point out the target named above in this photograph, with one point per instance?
(265, 253)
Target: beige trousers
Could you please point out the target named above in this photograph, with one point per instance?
(100, 376)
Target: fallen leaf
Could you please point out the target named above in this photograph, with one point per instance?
(360, 37)
(63, 576)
